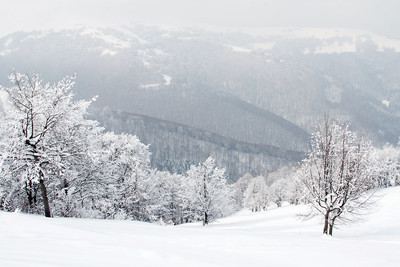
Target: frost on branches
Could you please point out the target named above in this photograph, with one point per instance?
(256, 196)
(55, 160)
(388, 158)
(338, 173)
(35, 138)
(210, 196)
(125, 161)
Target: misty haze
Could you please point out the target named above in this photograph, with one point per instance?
(207, 133)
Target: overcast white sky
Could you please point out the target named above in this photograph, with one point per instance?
(381, 16)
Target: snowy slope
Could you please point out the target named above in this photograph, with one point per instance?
(333, 40)
(273, 238)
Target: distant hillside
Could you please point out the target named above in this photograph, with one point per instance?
(175, 146)
(268, 88)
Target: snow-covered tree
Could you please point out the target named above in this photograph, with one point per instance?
(295, 186)
(70, 186)
(279, 191)
(239, 188)
(32, 135)
(124, 162)
(168, 198)
(256, 195)
(388, 159)
(283, 185)
(210, 196)
(56, 160)
(338, 172)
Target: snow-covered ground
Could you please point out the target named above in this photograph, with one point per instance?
(274, 238)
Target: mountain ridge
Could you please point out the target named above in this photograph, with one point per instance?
(265, 89)
(154, 131)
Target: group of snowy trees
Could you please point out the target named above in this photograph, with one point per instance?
(54, 159)
(261, 192)
(337, 178)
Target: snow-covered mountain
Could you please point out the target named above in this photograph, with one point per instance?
(327, 40)
(266, 87)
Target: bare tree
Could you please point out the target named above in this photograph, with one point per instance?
(338, 172)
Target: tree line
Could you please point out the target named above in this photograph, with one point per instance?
(57, 162)
(54, 161)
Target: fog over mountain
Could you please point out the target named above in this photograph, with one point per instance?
(380, 16)
(267, 89)
(243, 81)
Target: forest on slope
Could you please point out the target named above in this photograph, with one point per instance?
(174, 147)
(266, 89)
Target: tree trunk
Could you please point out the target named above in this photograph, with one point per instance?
(41, 180)
(331, 226)
(330, 229)
(326, 222)
(205, 219)
(29, 192)
(45, 198)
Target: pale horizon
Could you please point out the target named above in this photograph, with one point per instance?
(376, 16)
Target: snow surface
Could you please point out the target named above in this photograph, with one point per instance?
(129, 33)
(156, 86)
(353, 37)
(6, 45)
(336, 47)
(238, 49)
(273, 238)
(386, 102)
(160, 52)
(5, 52)
(36, 35)
(8, 42)
(149, 86)
(167, 79)
(108, 52)
(97, 34)
(264, 46)
(143, 55)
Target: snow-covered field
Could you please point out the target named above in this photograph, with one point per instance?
(274, 238)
